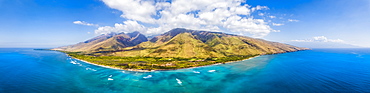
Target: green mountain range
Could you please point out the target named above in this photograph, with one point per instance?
(106, 42)
(179, 42)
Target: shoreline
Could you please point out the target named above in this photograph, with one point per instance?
(136, 70)
(218, 63)
(139, 70)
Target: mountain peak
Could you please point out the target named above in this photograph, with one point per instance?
(133, 34)
(176, 31)
(137, 37)
(107, 42)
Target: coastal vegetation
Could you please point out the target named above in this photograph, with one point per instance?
(154, 63)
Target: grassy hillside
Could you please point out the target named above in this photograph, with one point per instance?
(106, 43)
(202, 44)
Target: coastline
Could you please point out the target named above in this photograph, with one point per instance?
(219, 63)
(140, 70)
(137, 70)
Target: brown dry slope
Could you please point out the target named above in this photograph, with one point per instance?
(106, 42)
(186, 43)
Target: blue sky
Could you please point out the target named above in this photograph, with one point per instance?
(53, 23)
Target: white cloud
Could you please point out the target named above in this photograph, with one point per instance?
(134, 9)
(275, 30)
(84, 23)
(127, 26)
(258, 7)
(261, 14)
(272, 16)
(215, 15)
(293, 20)
(319, 39)
(276, 24)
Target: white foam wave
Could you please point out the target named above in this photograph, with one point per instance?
(90, 69)
(211, 70)
(179, 81)
(196, 71)
(149, 76)
(73, 62)
(110, 79)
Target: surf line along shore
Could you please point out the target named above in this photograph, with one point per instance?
(136, 70)
(143, 70)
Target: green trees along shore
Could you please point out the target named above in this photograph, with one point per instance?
(154, 63)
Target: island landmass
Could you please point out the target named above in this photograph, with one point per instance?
(176, 49)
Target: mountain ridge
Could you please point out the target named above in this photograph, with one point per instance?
(106, 42)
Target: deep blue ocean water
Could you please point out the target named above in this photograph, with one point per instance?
(317, 70)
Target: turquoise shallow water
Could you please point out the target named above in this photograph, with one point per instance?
(317, 70)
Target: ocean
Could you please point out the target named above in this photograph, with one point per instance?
(316, 70)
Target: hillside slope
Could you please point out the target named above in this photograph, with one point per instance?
(186, 43)
(106, 43)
